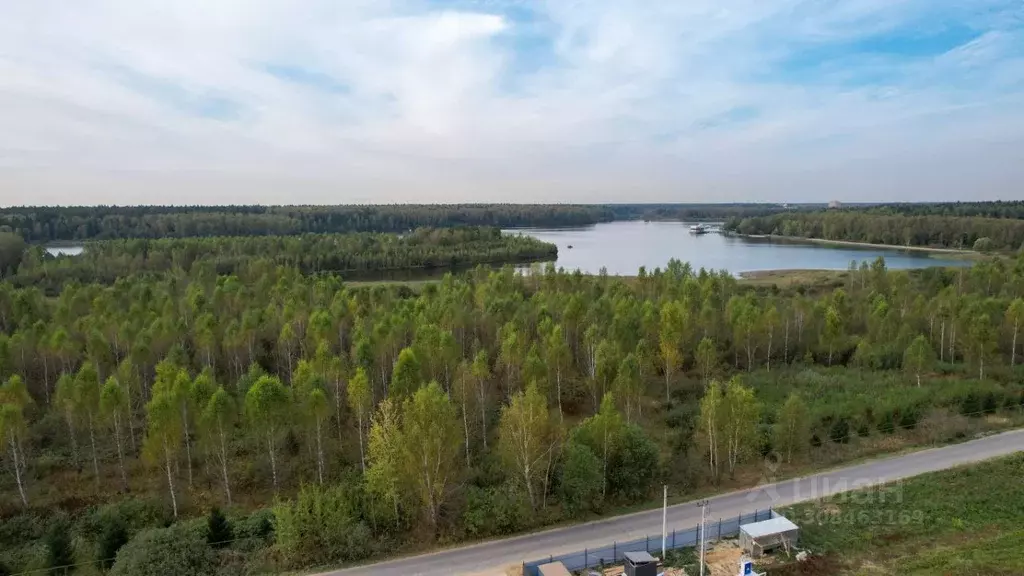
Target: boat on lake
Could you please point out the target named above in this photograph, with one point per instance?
(699, 229)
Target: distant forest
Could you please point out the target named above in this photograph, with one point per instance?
(947, 225)
(107, 260)
(73, 224)
(41, 225)
(998, 209)
(875, 227)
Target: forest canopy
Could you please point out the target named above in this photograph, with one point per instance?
(350, 254)
(484, 404)
(878, 227)
(42, 224)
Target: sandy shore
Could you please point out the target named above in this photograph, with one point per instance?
(950, 251)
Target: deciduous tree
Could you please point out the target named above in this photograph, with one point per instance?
(268, 407)
(360, 402)
(918, 357)
(112, 408)
(525, 439)
(791, 432)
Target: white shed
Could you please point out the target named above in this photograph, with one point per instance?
(760, 537)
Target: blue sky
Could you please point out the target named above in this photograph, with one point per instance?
(319, 101)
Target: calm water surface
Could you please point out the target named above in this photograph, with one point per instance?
(623, 247)
(64, 250)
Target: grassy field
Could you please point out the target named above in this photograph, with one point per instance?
(789, 278)
(959, 522)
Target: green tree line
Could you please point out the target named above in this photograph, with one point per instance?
(898, 229)
(1013, 209)
(351, 254)
(43, 224)
(489, 402)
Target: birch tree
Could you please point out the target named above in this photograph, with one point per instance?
(163, 436)
(386, 475)
(86, 401)
(918, 357)
(739, 423)
(600, 432)
(670, 336)
(524, 439)
(112, 408)
(14, 399)
(218, 422)
(706, 359)
(267, 406)
(407, 375)
(628, 385)
(482, 375)
(1014, 318)
(711, 411)
(360, 402)
(431, 447)
(791, 433)
(557, 355)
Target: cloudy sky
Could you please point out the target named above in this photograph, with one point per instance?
(338, 101)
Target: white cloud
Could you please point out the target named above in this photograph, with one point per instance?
(413, 100)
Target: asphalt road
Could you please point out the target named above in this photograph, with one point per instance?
(491, 557)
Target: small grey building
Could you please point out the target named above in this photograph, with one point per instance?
(640, 564)
(760, 537)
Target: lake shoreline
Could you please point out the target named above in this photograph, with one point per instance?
(971, 254)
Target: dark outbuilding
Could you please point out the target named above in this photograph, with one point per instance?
(641, 564)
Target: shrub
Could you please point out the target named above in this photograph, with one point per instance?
(160, 551)
(321, 526)
(218, 530)
(494, 511)
(840, 431)
(59, 552)
(632, 465)
(580, 485)
(113, 537)
(942, 424)
(254, 531)
(132, 514)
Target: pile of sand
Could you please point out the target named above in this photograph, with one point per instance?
(723, 559)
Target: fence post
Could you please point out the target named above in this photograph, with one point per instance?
(647, 543)
(586, 561)
(719, 528)
(615, 550)
(673, 539)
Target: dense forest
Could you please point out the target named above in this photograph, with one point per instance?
(334, 423)
(43, 224)
(703, 212)
(350, 254)
(1013, 209)
(878, 227)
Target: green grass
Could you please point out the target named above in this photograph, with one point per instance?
(783, 279)
(414, 285)
(962, 521)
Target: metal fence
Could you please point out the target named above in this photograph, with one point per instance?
(614, 553)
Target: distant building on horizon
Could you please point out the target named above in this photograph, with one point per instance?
(835, 204)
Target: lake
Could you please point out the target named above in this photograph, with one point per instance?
(623, 247)
(64, 250)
